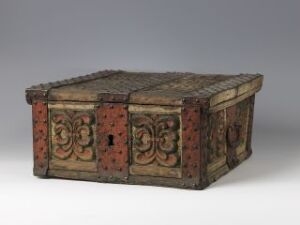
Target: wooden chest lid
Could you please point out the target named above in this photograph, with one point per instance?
(150, 88)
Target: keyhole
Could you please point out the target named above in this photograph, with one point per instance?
(110, 140)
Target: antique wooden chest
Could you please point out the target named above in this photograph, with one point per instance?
(169, 129)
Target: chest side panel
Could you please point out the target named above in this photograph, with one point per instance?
(237, 120)
(227, 138)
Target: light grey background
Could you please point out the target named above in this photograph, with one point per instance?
(48, 40)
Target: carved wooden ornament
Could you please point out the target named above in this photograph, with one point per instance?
(168, 129)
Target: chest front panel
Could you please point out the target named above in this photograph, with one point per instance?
(156, 143)
(73, 137)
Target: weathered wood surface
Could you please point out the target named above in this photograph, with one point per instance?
(175, 129)
(150, 88)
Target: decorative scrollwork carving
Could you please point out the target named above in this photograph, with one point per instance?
(234, 135)
(155, 139)
(217, 141)
(73, 135)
